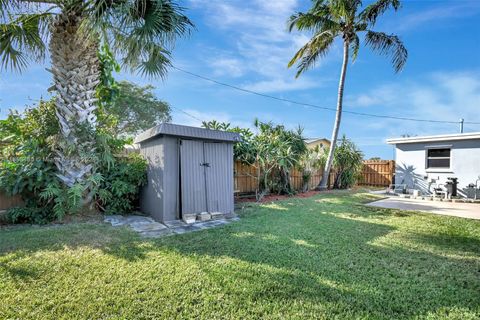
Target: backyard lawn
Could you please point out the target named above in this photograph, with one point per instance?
(322, 257)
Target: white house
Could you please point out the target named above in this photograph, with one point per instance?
(425, 163)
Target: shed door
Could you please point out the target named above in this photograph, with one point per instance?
(192, 177)
(219, 177)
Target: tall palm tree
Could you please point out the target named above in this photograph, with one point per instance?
(140, 32)
(344, 19)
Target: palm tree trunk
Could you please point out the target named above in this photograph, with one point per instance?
(76, 73)
(326, 172)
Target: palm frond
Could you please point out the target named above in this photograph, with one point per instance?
(21, 39)
(312, 22)
(344, 10)
(141, 32)
(314, 49)
(388, 45)
(373, 11)
(355, 46)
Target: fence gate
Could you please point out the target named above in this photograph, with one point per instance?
(206, 177)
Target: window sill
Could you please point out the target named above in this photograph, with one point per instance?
(439, 170)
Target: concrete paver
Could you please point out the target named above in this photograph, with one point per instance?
(147, 227)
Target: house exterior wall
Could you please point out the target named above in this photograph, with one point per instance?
(464, 165)
(152, 194)
(323, 143)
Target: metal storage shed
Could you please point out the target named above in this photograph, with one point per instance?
(190, 171)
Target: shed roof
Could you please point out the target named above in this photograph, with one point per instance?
(170, 129)
(436, 138)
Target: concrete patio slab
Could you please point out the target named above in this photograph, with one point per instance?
(462, 210)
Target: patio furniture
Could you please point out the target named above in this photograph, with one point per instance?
(441, 190)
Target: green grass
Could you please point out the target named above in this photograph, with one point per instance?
(324, 257)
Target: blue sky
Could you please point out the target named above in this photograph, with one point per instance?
(245, 43)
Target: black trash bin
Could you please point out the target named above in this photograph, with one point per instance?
(452, 186)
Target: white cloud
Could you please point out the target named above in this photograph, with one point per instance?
(281, 85)
(262, 45)
(227, 66)
(439, 96)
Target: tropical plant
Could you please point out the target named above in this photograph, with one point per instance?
(348, 163)
(312, 160)
(216, 125)
(273, 151)
(278, 150)
(141, 33)
(27, 169)
(347, 20)
(243, 150)
(120, 186)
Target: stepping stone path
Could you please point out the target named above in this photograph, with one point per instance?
(147, 227)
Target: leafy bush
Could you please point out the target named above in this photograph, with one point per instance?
(27, 168)
(273, 151)
(244, 150)
(26, 161)
(312, 160)
(121, 184)
(29, 215)
(348, 162)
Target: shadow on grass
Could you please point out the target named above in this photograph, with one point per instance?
(24, 240)
(305, 251)
(452, 244)
(331, 258)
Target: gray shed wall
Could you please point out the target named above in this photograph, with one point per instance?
(151, 196)
(171, 173)
(219, 177)
(160, 198)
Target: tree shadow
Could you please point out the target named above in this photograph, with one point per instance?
(340, 262)
(298, 253)
(121, 242)
(19, 272)
(405, 174)
(450, 244)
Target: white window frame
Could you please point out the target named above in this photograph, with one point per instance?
(438, 169)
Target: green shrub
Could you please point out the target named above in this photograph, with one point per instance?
(27, 168)
(118, 192)
(348, 162)
(29, 215)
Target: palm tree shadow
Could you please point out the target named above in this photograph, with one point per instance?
(405, 174)
(344, 256)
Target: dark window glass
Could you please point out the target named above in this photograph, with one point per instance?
(438, 163)
(438, 153)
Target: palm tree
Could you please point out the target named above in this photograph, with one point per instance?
(331, 19)
(140, 32)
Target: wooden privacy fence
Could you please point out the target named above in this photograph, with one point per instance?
(246, 178)
(377, 173)
(7, 202)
